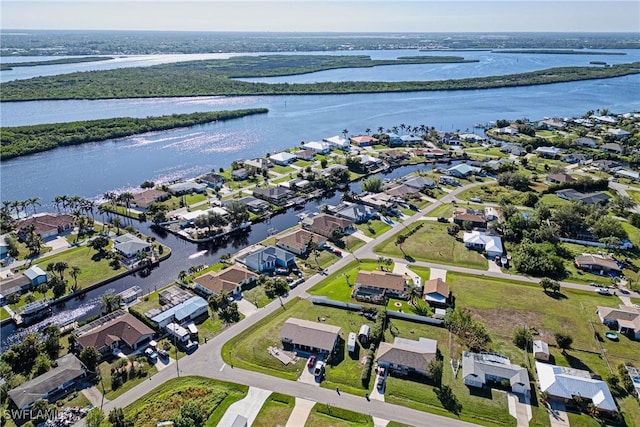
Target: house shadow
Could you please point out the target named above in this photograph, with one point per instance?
(355, 354)
(338, 355)
(576, 363)
(484, 392)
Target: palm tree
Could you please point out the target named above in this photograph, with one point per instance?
(345, 132)
(380, 130)
(64, 201)
(60, 267)
(126, 198)
(56, 202)
(367, 131)
(400, 241)
(34, 201)
(415, 293)
(75, 270)
(116, 222)
(182, 275)
(110, 302)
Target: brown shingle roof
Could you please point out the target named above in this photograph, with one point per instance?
(380, 279)
(560, 177)
(437, 286)
(44, 224)
(324, 224)
(125, 328)
(225, 281)
(147, 197)
(299, 239)
(408, 354)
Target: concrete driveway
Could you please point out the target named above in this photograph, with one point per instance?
(307, 376)
(246, 308)
(438, 273)
(300, 412)
(247, 407)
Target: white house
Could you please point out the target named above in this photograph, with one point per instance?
(338, 142)
(129, 245)
(619, 133)
(282, 158)
(319, 147)
(481, 241)
(483, 369)
(36, 275)
(181, 313)
(177, 332)
(548, 152)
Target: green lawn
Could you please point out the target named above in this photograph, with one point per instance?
(553, 201)
(374, 227)
(446, 209)
(275, 411)
(576, 275)
(327, 416)
(339, 285)
(493, 194)
(431, 243)
(164, 402)
(105, 373)
(283, 169)
(256, 296)
(493, 151)
(4, 314)
(302, 163)
(527, 303)
(635, 195)
(352, 243)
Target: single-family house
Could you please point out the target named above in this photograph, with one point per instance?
(394, 139)
(540, 350)
(277, 195)
(254, 204)
(625, 319)
(471, 137)
(299, 241)
(625, 173)
(325, 224)
(559, 178)
(4, 247)
(394, 156)
(129, 246)
(212, 180)
(586, 142)
(552, 124)
(446, 180)
(320, 147)
(436, 292)
(609, 120)
(380, 283)
(588, 198)
(257, 165)
(462, 170)
(363, 140)
(548, 152)
(47, 226)
(268, 259)
(186, 188)
(407, 356)
(619, 133)
(339, 142)
(125, 331)
(177, 332)
(431, 153)
(13, 285)
(284, 158)
(598, 264)
(606, 165)
(144, 199)
(225, 282)
(565, 384)
(296, 184)
(239, 174)
(401, 191)
(480, 241)
(476, 218)
(612, 147)
(411, 139)
(333, 170)
(357, 213)
(579, 158)
(309, 337)
(508, 130)
(52, 385)
(491, 213)
(181, 313)
(419, 183)
(308, 155)
(514, 149)
(369, 162)
(485, 369)
(36, 275)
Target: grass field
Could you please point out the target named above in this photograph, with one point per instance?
(374, 228)
(4, 314)
(164, 402)
(339, 285)
(431, 243)
(493, 194)
(635, 195)
(105, 373)
(327, 416)
(275, 411)
(446, 210)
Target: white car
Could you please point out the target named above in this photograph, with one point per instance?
(603, 291)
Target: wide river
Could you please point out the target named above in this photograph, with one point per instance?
(90, 170)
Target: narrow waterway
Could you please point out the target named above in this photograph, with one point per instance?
(183, 255)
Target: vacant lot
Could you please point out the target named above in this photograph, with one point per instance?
(164, 402)
(431, 243)
(327, 416)
(275, 411)
(374, 228)
(339, 285)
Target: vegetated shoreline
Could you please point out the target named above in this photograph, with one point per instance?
(557, 52)
(11, 65)
(216, 78)
(23, 140)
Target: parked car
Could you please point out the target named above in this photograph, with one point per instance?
(312, 361)
(191, 346)
(443, 219)
(475, 200)
(163, 353)
(151, 354)
(380, 384)
(318, 371)
(337, 252)
(603, 291)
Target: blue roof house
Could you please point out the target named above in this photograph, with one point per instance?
(182, 313)
(269, 258)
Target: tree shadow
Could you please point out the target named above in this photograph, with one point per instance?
(556, 295)
(448, 399)
(409, 258)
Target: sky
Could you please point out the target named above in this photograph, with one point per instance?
(324, 15)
